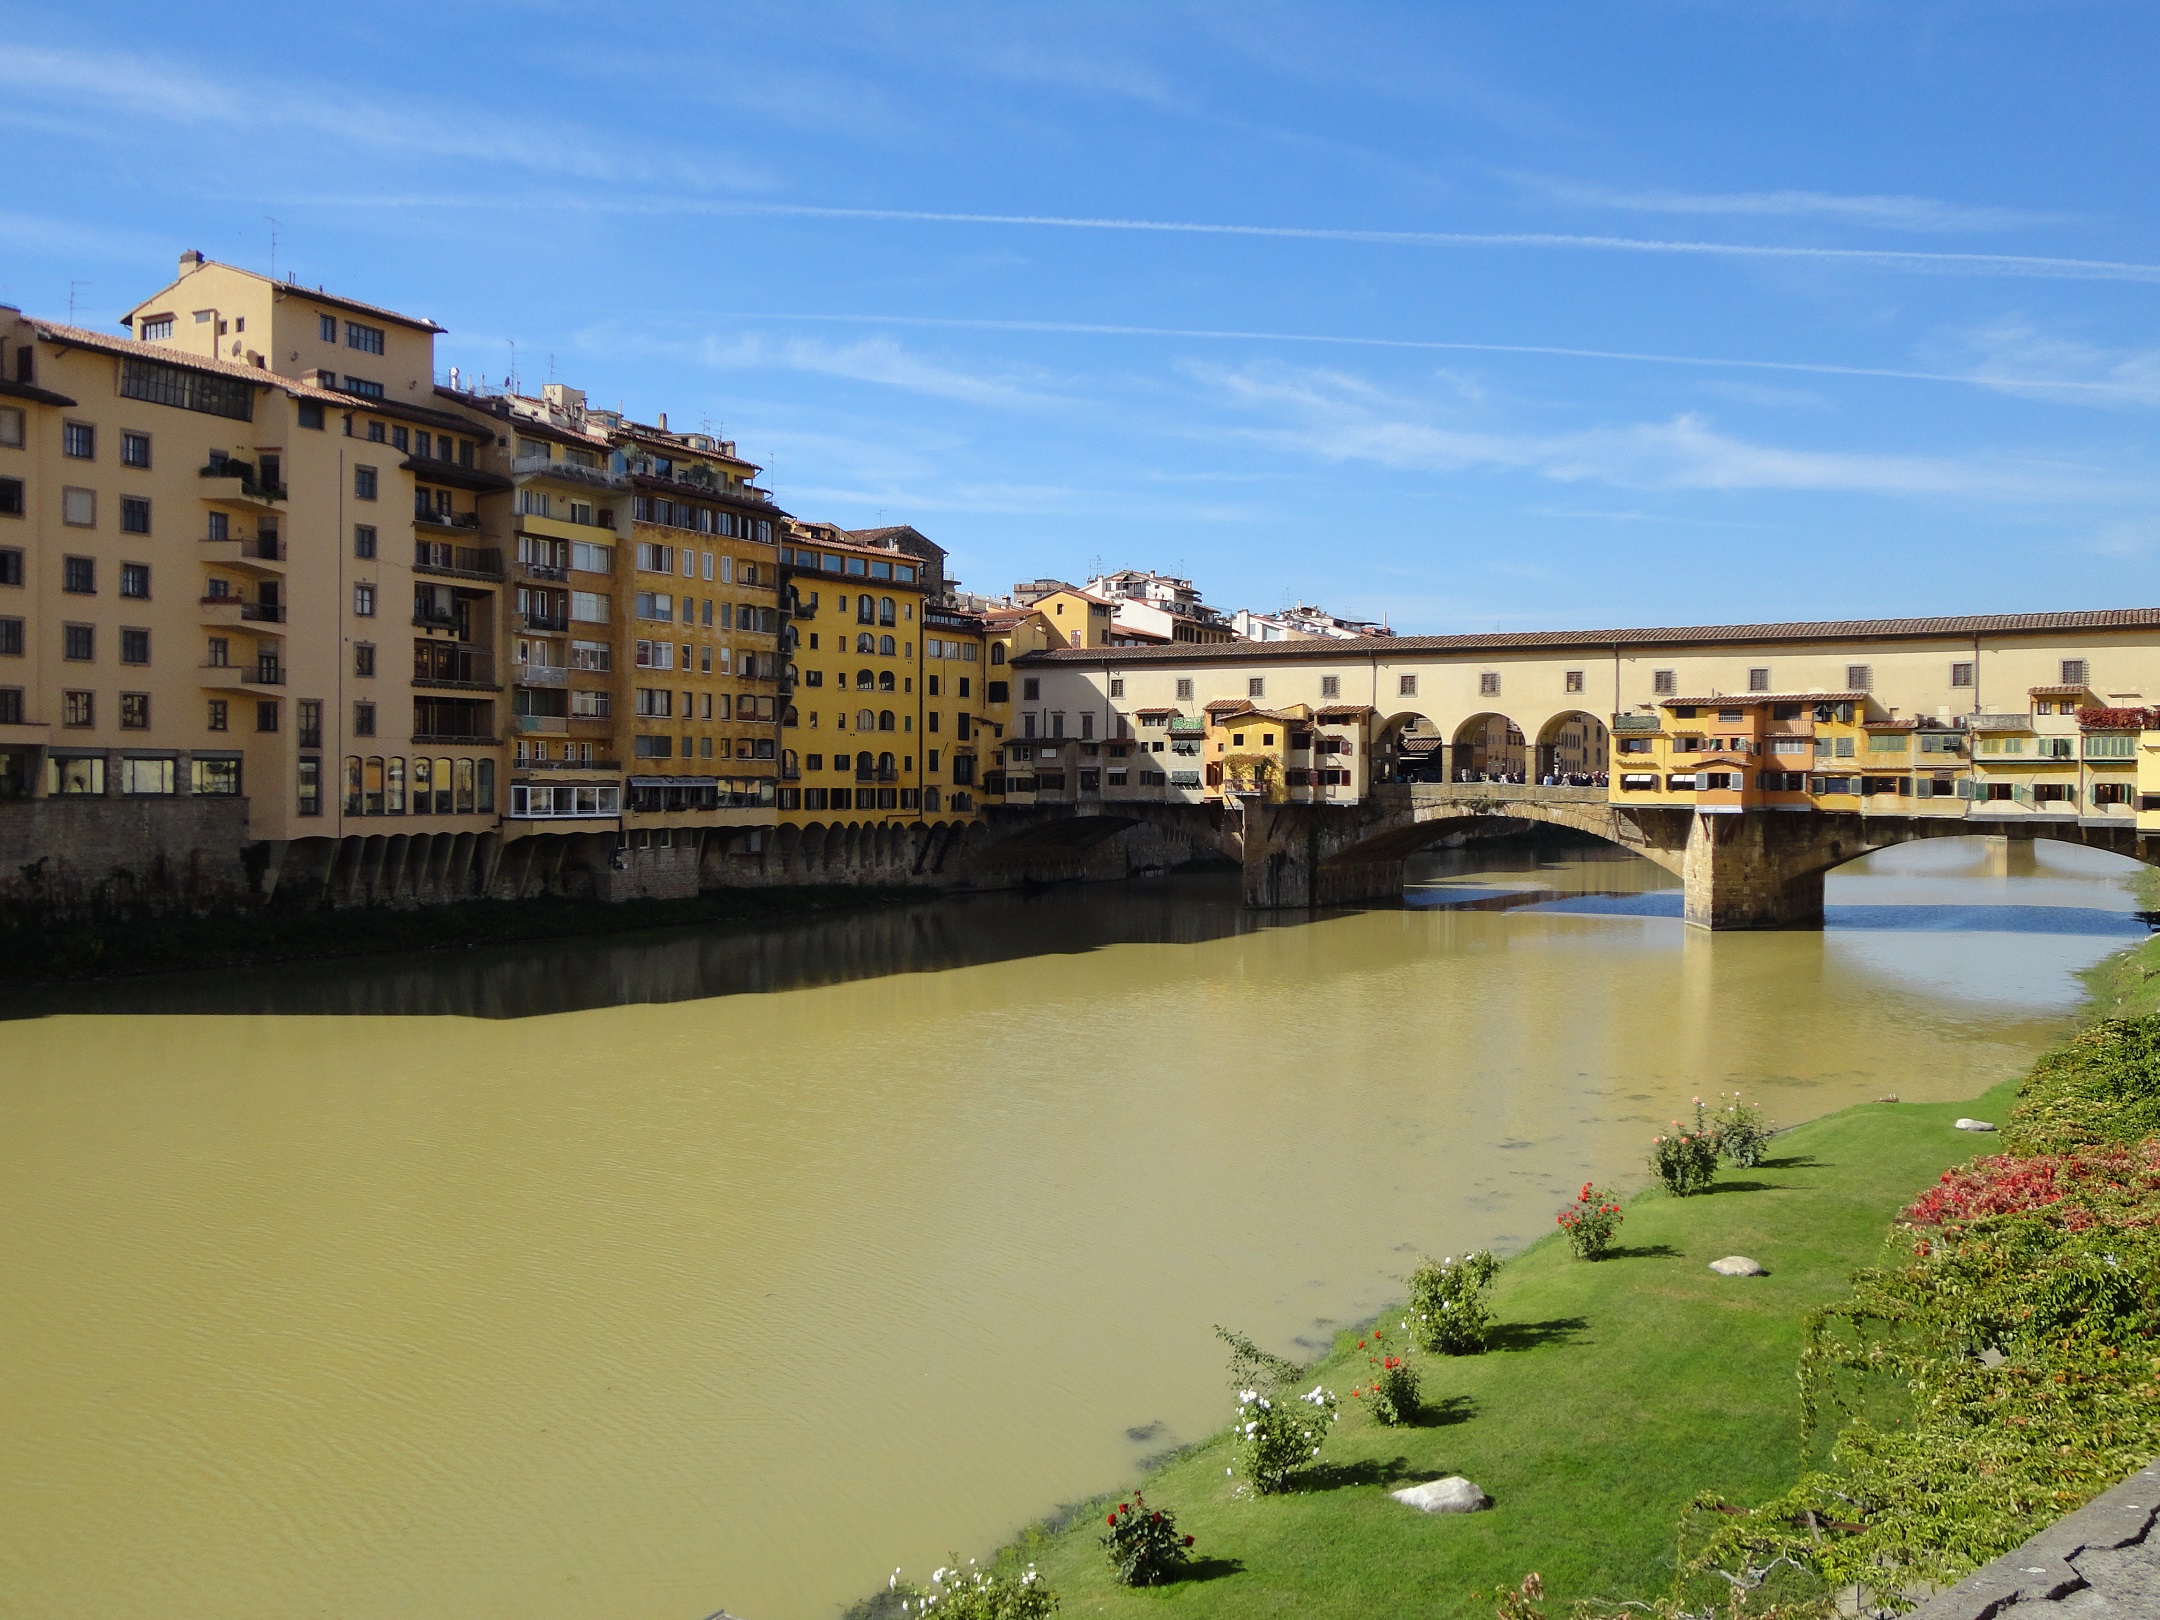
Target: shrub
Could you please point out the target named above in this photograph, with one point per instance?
(976, 1594)
(1740, 1131)
(2003, 1185)
(1390, 1394)
(1447, 1301)
(1591, 1222)
(1144, 1545)
(1276, 1432)
(1685, 1160)
(2101, 1087)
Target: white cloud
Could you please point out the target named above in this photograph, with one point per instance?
(873, 360)
(2016, 357)
(1900, 213)
(1342, 418)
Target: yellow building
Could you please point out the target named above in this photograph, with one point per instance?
(856, 727)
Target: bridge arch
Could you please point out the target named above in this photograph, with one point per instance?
(1409, 747)
(1489, 747)
(1573, 749)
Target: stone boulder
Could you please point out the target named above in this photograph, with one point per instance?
(1451, 1495)
(1738, 1265)
(1974, 1125)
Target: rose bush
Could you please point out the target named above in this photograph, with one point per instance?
(1591, 1222)
(1447, 1302)
(1390, 1391)
(1144, 1545)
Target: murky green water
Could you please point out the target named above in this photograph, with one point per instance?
(643, 1278)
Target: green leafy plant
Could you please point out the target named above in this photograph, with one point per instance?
(1447, 1303)
(1591, 1222)
(1740, 1131)
(1144, 1545)
(1685, 1160)
(1390, 1391)
(1276, 1431)
(974, 1593)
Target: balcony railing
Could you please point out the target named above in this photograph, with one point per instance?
(598, 477)
(540, 570)
(553, 724)
(249, 612)
(543, 675)
(444, 520)
(242, 473)
(470, 562)
(544, 621)
(267, 672)
(250, 548)
(429, 619)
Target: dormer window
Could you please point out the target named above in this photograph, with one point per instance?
(157, 328)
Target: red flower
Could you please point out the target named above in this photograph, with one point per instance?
(1188, 1541)
(1111, 1521)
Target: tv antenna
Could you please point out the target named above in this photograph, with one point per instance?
(273, 247)
(71, 298)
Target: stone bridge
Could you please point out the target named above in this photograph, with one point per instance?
(1760, 869)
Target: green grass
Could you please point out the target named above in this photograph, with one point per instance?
(2127, 984)
(1616, 1392)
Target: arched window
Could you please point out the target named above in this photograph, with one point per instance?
(885, 721)
(887, 647)
(997, 652)
(465, 786)
(865, 720)
(442, 787)
(423, 786)
(866, 610)
(885, 680)
(394, 794)
(885, 611)
(788, 761)
(884, 763)
(372, 797)
(793, 719)
(352, 784)
(930, 799)
(866, 642)
(864, 680)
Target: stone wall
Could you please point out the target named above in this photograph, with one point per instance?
(68, 858)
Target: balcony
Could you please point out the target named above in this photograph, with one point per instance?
(229, 612)
(428, 618)
(539, 467)
(555, 725)
(469, 738)
(233, 677)
(2000, 722)
(452, 668)
(260, 557)
(555, 622)
(444, 520)
(543, 675)
(886, 774)
(553, 573)
(233, 483)
(457, 562)
(568, 765)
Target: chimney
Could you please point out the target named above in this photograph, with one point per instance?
(191, 260)
(663, 421)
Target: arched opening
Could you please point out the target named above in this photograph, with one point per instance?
(1410, 748)
(885, 720)
(885, 680)
(1488, 748)
(864, 680)
(1574, 750)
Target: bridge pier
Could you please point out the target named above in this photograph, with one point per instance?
(1755, 871)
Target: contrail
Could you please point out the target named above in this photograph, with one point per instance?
(2021, 265)
(1106, 329)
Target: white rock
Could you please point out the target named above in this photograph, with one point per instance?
(1738, 1265)
(1974, 1125)
(1451, 1495)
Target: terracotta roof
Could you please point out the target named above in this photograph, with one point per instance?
(1227, 705)
(1742, 700)
(1334, 713)
(81, 337)
(2077, 690)
(1707, 635)
(1157, 711)
(33, 393)
(1891, 725)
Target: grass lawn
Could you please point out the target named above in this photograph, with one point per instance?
(1613, 1394)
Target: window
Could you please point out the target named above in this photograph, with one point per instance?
(308, 800)
(187, 389)
(11, 426)
(377, 434)
(134, 646)
(1961, 674)
(75, 776)
(78, 576)
(11, 638)
(78, 642)
(134, 711)
(367, 339)
(11, 497)
(215, 778)
(1488, 683)
(363, 541)
(266, 715)
(79, 441)
(588, 558)
(1331, 686)
(326, 328)
(656, 605)
(1574, 680)
(363, 601)
(309, 720)
(78, 508)
(1758, 680)
(2074, 672)
(364, 483)
(363, 719)
(134, 514)
(1184, 691)
(363, 659)
(219, 715)
(1405, 686)
(1663, 682)
(135, 581)
(134, 449)
(1255, 686)
(1030, 689)
(78, 709)
(310, 415)
(1859, 677)
(157, 328)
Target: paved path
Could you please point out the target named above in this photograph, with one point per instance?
(2100, 1563)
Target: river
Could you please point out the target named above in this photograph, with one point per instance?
(650, 1276)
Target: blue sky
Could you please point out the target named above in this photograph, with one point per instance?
(1476, 317)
